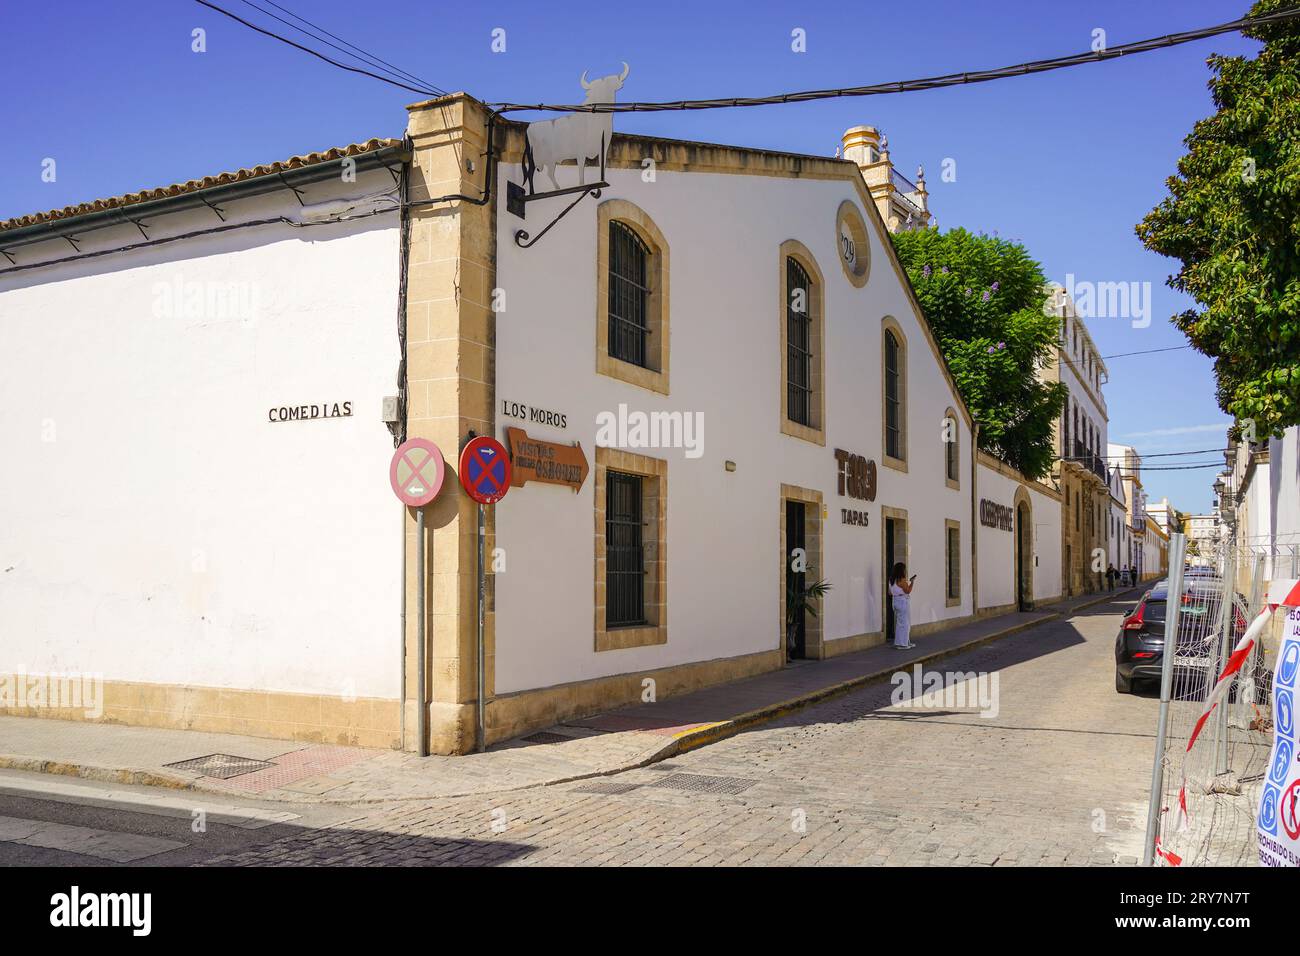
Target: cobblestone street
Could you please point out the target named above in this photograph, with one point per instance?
(1058, 776)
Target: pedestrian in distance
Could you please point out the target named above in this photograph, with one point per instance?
(1111, 575)
(900, 589)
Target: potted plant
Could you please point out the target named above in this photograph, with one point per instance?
(799, 601)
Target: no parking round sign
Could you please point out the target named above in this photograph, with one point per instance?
(485, 470)
(417, 472)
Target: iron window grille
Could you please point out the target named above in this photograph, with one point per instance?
(798, 343)
(893, 401)
(954, 563)
(950, 452)
(629, 295)
(624, 551)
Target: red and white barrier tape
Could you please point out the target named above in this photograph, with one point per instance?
(1235, 660)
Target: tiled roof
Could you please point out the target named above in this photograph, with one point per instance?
(177, 189)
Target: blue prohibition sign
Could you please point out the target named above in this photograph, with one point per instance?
(1268, 810)
(1282, 762)
(487, 472)
(1285, 715)
(1290, 661)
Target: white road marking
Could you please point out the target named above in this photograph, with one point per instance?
(103, 844)
(246, 818)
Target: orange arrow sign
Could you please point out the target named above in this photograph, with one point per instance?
(533, 459)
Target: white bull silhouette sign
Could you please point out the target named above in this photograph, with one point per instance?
(576, 136)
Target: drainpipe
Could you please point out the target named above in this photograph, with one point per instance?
(974, 521)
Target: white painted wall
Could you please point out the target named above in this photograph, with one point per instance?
(1284, 492)
(156, 526)
(723, 535)
(997, 585)
(1047, 545)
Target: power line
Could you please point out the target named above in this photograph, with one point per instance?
(366, 56)
(1213, 464)
(926, 83)
(315, 53)
(1172, 348)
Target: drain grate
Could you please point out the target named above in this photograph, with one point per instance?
(606, 786)
(221, 766)
(546, 737)
(697, 783)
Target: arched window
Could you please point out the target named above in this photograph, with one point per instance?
(629, 294)
(632, 296)
(798, 321)
(895, 354)
(951, 449)
(803, 360)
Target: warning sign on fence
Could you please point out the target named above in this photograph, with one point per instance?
(1278, 820)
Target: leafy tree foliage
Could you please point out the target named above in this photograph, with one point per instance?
(1233, 217)
(984, 297)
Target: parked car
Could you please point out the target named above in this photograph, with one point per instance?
(1140, 645)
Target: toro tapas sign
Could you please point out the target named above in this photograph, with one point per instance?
(485, 470)
(537, 460)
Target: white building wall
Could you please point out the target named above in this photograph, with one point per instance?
(157, 527)
(997, 586)
(723, 534)
(1284, 493)
(1047, 544)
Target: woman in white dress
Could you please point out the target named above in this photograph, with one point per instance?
(900, 587)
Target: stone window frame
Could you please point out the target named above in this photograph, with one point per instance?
(949, 556)
(953, 480)
(815, 433)
(890, 324)
(813, 636)
(658, 345)
(654, 492)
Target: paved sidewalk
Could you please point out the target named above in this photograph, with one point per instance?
(604, 744)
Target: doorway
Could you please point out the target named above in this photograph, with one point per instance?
(1024, 559)
(895, 550)
(795, 581)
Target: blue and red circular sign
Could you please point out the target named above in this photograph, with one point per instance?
(485, 470)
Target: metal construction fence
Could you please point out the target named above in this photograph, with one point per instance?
(1217, 724)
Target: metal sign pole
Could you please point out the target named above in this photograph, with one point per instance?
(482, 663)
(1173, 606)
(422, 718)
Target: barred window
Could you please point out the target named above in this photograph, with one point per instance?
(798, 343)
(624, 551)
(953, 563)
(952, 436)
(893, 398)
(629, 295)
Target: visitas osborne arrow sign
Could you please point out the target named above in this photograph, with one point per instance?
(533, 459)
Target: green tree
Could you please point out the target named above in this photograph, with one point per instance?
(1233, 217)
(983, 298)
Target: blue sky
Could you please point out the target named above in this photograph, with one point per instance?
(1066, 162)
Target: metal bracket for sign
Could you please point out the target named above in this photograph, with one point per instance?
(521, 236)
(517, 200)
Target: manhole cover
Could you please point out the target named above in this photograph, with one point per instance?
(546, 737)
(606, 786)
(698, 783)
(221, 766)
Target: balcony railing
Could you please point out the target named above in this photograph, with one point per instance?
(1087, 458)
